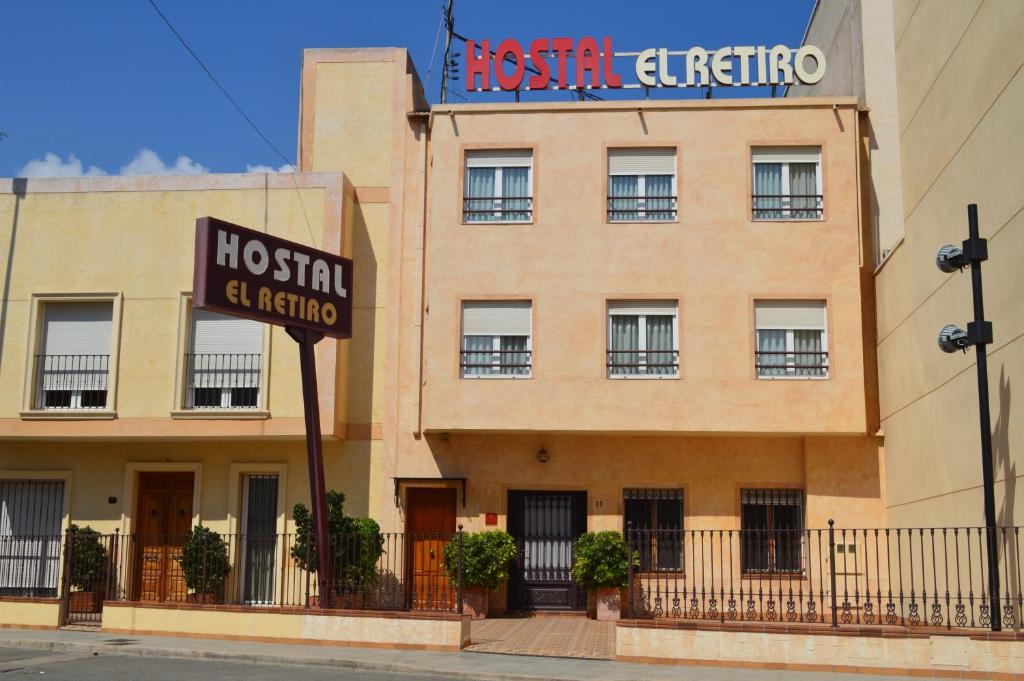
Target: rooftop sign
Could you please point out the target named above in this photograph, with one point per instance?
(245, 273)
(656, 67)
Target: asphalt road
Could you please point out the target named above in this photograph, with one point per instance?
(21, 663)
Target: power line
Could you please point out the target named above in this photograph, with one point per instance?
(240, 110)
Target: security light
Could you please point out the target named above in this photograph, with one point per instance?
(953, 338)
(950, 259)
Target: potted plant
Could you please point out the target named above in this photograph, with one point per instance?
(204, 564)
(485, 562)
(355, 546)
(602, 564)
(87, 569)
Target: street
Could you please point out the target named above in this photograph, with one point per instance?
(79, 666)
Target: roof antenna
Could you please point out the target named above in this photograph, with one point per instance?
(451, 60)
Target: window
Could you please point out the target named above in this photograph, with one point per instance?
(641, 185)
(771, 530)
(72, 364)
(792, 340)
(259, 551)
(655, 517)
(498, 186)
(787, 183)
(223, 362)
(496, 339)
(30, 537)
(643, 339)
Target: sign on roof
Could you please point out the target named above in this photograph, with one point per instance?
(565, 64)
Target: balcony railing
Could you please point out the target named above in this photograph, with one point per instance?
(928, 578)
(787, 206)
(497, 209)
(71, 381)
(627, 363)
(780, 363)
(476, 363)
(222, 381)
(641, 208)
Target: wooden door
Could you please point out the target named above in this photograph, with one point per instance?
(162, 521)
(429, 526)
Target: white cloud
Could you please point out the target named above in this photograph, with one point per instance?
(51, 165)
(147, 162)
(286, 168)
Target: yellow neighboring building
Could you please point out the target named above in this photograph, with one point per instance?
(944, 94)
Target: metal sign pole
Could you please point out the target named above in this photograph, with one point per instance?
(307, 341)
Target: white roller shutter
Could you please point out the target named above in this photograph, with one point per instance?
(217, 334)
(642, 307)
(30, 535)
(77, 328)
(641, 161)
(499, 158)
(790, 314)
(787, 154)
(496, 318)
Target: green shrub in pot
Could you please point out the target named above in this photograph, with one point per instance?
(602, 561)
(204, 561)
(485, 558)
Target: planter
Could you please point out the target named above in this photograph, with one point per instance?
(474, 602)
(203, 598)
(609, 604)
(85, 602)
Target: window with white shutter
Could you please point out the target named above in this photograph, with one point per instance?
(224, 362)
(72, 365)
(498, 186)
(792, 339)
(643, 339)
(642, 185)
(496, 339)
(787, 183)
(30, 537)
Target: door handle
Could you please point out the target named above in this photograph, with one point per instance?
(431, 553)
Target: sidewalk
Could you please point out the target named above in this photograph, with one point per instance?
(464, 665)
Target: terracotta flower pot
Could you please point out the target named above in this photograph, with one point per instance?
(609, 604)
(474, 602)
(203, 598)
(85, 601)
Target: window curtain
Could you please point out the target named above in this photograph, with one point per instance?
(658, 195)
(808, 359)
(623, 357)
(660, 355)
(769, 342)
(767, 190)
(479, 195)
(622, 201)
(515, 184)
(478, 355)
(515, 361)
(803, 187)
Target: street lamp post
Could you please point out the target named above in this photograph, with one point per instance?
(973, 252)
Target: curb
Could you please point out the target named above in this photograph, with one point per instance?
(272, 659)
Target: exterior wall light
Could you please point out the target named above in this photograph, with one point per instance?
(543, 455)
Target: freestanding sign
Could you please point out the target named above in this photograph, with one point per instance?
(245, 273)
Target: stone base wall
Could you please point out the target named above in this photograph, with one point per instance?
(29, 613)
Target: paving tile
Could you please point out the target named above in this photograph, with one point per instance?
(577, 637)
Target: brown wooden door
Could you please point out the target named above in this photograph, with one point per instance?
(429, 524)
(163, 519)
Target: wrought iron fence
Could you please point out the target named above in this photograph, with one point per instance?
(71, 381)
(222, 381)
(917, 577)
(798, 363)
(497, 209)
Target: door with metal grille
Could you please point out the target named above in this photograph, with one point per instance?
(545, 526)
(259, 538)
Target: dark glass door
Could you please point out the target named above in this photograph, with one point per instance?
(545, 526)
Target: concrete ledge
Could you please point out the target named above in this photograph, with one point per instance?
(404, 631)
(879, 651)
(30, 613)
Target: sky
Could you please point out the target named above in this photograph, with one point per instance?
(104, 87)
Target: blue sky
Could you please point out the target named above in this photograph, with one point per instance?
(104, 80)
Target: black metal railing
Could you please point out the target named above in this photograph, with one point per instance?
(497, 208)
(222, 381)
(918, 577)
(71, 381)
(625, 363)
(799, 363)
(787, 206)
(641, 208)
(30, 565)
(495, 362)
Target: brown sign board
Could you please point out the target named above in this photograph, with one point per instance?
(246, 273)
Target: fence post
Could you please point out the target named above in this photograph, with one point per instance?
(204, 586)
(629, 567)
(65, 587)
(308, 540)
(112, 565)
(832, 570)
(458, 585)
